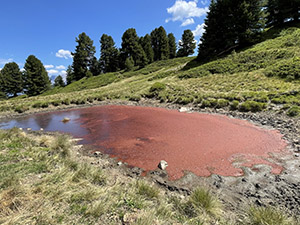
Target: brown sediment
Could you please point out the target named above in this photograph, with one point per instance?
(200, 143)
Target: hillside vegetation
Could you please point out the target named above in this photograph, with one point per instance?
(265, 76)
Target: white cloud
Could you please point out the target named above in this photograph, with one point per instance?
(187, 22)
(22, 70)
(52, 72)
(63, 73)
(49, 66)
(183, 10)
(199, 30)
(4, 61)
(64, 54)
(61, 67)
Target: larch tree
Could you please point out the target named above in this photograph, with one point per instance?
(146, 45)
(172, 46)
(187, 44)
(109, 58)
(83, 56)
(36, 79)
(160, 43)
(132, 48)
(12, 81)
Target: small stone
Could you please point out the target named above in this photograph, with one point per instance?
(20, 128)
(65, 120)
(119, 163)
(97, 153)
(162, 165)
(29, 129)
(184, 109)
(41, 129)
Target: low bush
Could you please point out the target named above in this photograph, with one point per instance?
(147, 190)
(268, 216)
(289, 69)
(156, 88)
(40, 105)
(184, 100)
(222, 103)
(21, 108)
(294, 111)
(234, 105)
(252, 106)
(135, 98)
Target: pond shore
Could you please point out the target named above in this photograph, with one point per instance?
(258, 186)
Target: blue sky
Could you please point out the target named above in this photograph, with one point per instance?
(48, 28)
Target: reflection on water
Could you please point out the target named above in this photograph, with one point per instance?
(49, 122)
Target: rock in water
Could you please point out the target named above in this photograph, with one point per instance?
(162, 165)
(66, 119)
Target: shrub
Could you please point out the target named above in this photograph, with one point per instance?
(205, 103)
(202, 199)
(222, 103)
(285, 69)
(267, 216)
(56, 102)
(156, 88)
(294, 111)
(40, 105)
(185, 100)
(234, 105)
(66, 101)
(146, 190)
(135, 98)
(252, 106)
(21, 109)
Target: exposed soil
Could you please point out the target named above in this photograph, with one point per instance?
(261, 184)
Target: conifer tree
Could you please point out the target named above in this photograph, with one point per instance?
(172, 46)
(59, 82)
(132, 48)
(146, 45)
(160, 44)
(187, 44)
(70, 75)
(229, 25)
(83, 56)
(36, 80)
(109, 54)
(11, 77)
(95, 67)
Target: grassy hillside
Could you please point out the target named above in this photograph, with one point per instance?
(265, 76)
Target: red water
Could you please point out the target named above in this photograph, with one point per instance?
(142, 137)
(199, 143)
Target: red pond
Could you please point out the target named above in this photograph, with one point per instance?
(200, 143)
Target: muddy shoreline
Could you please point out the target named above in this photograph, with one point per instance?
(258, 186)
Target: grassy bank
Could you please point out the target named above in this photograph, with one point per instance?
(265, 76)
(44, 180)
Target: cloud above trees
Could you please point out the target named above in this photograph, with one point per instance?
(66, 54)
(185, 11)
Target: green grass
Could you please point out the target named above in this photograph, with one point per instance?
(264, 77)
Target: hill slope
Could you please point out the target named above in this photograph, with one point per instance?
(265, 76)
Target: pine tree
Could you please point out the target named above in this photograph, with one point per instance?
(172, 46)
(280, 11)
(132, 48)
(70, 75)
(147, 47)
(129, 64)
(160, 44)
(12, 82)
(36, 79)
(59, 82)
(83, 56)
(187, 44)
(95, 67)
(109, 54)
(230, 24)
